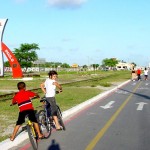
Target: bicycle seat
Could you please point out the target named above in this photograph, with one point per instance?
(43, 99)
(35, 111)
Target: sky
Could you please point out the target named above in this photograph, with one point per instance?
(80, 31)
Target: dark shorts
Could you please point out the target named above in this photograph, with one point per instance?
(22, 115)
(53, 105)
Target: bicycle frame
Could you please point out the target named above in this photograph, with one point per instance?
(32, 134)
(32, 128)
(59, 114)
(45, 123)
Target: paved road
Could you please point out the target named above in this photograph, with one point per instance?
(120, 121)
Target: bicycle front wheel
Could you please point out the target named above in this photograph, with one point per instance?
(44, 124)
(59, 115)
(32, 136)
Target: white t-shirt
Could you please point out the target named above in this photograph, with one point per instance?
(50, 88)
(145, 72)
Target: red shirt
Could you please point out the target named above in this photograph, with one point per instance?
(138, 71)
(22, 98)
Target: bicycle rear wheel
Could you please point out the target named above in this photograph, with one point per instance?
(59, 115)
(33, 137)
(44, 124)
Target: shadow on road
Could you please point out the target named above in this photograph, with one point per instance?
(138, 94)
(54, 146)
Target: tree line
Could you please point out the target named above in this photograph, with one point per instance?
(26, 55)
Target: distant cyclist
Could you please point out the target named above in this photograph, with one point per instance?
(22, 98)
(49, 89)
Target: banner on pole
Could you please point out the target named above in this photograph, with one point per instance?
(16, 69)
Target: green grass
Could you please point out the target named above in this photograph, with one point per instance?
(73, 96)
(73, 93)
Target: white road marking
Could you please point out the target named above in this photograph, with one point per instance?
(140, 105)
(134, 83)
(109, 105)
(91, 113)
(121, 92)
(144, 88)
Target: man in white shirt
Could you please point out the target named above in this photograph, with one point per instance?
(49, 89)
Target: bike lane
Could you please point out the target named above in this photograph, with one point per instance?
(106, 140)
(130, 130)
(82, 127)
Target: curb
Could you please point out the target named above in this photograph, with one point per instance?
(7, 144)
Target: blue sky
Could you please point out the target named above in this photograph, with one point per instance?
(80, 31)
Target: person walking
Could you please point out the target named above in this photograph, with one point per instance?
(139, 74)
(146, 73)
(133, 74)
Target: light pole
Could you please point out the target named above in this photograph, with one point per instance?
(2, 27)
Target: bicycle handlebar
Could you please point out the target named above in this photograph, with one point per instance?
(30, 99)
(43, 99)
(12, 104)
(57, 92)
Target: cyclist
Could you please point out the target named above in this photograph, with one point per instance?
(49, 89)
(22, 98)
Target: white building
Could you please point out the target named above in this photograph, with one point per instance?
(124, 66)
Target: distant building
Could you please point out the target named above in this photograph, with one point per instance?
(75, 66)
(40, 61)
(124, 66)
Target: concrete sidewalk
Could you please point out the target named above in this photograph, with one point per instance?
(7, 144)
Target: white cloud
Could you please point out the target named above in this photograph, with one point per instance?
(66, 3)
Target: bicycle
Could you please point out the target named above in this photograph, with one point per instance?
(29, 127)
(32, 134)
(44, 121)
(48, 121)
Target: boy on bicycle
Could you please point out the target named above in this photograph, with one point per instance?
(49, 89)
(22, 98)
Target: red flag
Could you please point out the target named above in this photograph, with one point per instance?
(16, 69)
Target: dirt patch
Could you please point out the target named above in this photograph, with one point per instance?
(8, 130)
(4, 129)
(113, 85)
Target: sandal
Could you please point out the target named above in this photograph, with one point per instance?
(61, 128)
(12, 139)
(41, 137)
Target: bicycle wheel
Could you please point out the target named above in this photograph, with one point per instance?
(59, 115)
(33, 137)
(44, 124)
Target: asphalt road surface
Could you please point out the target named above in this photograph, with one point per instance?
(120, 121)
